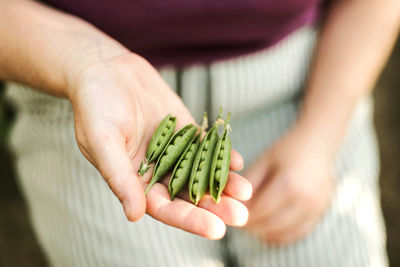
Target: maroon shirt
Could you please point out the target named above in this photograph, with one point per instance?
(182, 32)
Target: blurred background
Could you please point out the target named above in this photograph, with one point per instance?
(18, 246)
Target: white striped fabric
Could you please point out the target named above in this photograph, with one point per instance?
(79, 222)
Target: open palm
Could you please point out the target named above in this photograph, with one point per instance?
(117, 105)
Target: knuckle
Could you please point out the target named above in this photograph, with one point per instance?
(293, 187)
(300, 191)
(311, 200)
(116, 185)
(80, 137)
(117, 182)
(272, 239)
(91, 138)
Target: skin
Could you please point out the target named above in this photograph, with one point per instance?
(95, 73)
(118, 99)
(293, 181)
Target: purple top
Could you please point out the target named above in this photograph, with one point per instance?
(182, 32)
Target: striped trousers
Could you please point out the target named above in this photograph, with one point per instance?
(79, 222)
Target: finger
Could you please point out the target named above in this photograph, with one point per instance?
(236, 161)
(182, 214)
(184, 119)
(238, 187)
(258, 172)
(272, 199)
(231, 211)
(115, 166)
(294, 234)
(297, 231)
(283, 221)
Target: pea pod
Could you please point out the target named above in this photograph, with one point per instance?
(158, 142)
(199, 176)
(180, 174)
(171, 153)
(220, 163)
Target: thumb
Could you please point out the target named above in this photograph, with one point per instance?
(114, 164)
(258, 171)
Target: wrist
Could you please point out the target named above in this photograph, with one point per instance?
(317, 138)
(78, 58)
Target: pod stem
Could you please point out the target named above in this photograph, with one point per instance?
(227, 126)
(204, 124)
(220, 120)
(144, 167)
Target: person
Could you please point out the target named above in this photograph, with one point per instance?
(296, 76)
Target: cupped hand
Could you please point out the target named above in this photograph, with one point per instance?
(293, 186)
(118, 103)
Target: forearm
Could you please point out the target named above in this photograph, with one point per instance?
(45, 48)
(354, 44)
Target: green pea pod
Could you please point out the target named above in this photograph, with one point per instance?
(176, 145)
(158, 142)
(180, 174)
(220, 163)
(199, 175)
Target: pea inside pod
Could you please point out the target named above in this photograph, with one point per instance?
(180, 174)
(172, 152)
(199, 176)
(220, 163)
(158, 142)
